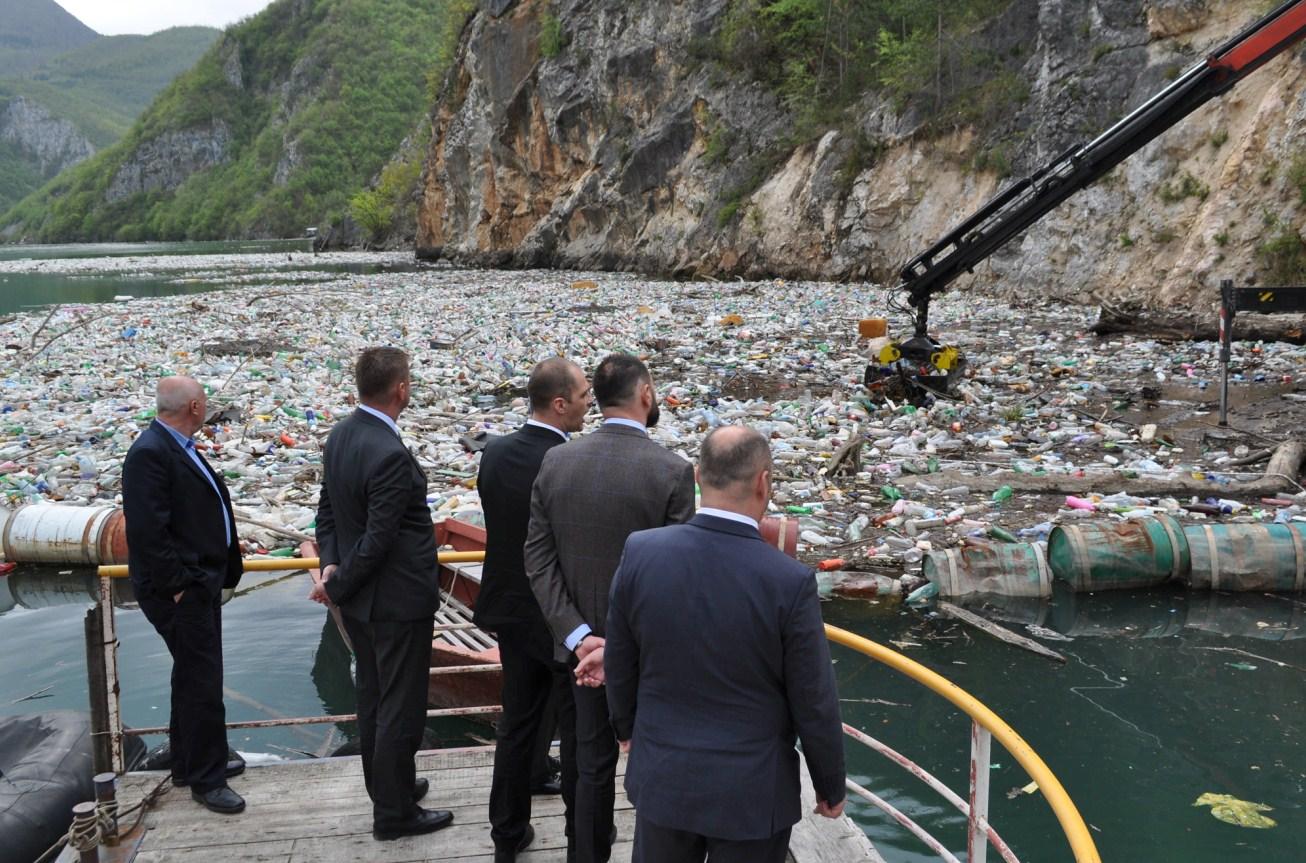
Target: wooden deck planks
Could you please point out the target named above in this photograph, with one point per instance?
(318, 811)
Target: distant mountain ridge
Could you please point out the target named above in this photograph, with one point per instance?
(78, 101)
(274, 129)
(33, 31)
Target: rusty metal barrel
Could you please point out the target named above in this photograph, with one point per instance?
(1119, 555)
(55, 533)
(781, 532)
(1254, 557)
(1002, 569)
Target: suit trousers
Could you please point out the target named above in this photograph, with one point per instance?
(532, 680)
(657, 844)
(392, 667)
(596, 779)
(197, 733)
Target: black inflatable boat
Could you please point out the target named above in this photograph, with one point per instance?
(45, 769)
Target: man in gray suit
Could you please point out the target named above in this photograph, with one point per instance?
(589, 496)
(715, 663)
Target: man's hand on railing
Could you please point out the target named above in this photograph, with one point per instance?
(318, 593)
(826, 810)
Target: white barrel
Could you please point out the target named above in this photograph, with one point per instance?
(54, 533)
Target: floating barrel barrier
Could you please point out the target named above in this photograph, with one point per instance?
(782, 532)
(1118, 555)
(1007, 569)
(1268, 557)
(56, 533)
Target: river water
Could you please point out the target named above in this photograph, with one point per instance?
(1164, 697)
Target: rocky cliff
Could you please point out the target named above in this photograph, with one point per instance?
(50, 142)
(607, 152)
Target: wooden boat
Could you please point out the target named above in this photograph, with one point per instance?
(465, 670)
(465, 666)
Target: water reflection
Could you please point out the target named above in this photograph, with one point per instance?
(1150, 613)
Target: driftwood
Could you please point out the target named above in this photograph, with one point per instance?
(849, 456)
(1280, 476)
(281, 531)
(1173, 326)
(998, 632)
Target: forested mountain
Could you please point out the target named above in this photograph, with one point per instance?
(74, 103)
(34, 31)
(289, 115)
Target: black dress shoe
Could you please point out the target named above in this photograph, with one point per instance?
(426, 821)
(552, 785)
(221, 800)
(509, 855)
(420, 787)
(235, 767)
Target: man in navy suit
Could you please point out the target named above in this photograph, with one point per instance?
(560, 397)
(183, 550)
(715, 662)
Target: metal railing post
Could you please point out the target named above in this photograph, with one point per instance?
(101, 750)
(977, 843)
(112, 690)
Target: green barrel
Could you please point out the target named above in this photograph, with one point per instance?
(1268, 557)
(1118, 555)
(1003, 568)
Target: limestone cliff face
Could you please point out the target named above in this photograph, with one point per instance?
(53, 143)
(164, 163)
(607, 155)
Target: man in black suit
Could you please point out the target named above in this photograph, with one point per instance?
(589, 496)
(183, 550)
(379, 563)
(715, 661)
(559, 398)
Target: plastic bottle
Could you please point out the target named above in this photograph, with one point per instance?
(1002, 495)
(87, 469)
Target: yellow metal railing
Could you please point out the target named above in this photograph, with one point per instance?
(1072, 824)
(290, 564)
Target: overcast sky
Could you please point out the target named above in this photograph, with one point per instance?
(112, 17)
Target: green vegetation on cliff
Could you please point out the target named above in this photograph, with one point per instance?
(297, 108)
(824, 55)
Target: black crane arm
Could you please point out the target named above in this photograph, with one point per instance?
(1026, 201)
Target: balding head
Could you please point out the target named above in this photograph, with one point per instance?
(181, 403)
(734, 470)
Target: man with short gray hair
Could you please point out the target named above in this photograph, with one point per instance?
(182, 551)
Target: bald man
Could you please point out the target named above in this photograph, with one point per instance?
(182, 551)
(716, 663)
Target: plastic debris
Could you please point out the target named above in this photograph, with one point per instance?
(1240, 813)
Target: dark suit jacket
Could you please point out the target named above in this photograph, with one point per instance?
(175, 533)
(589, 496)
(374, 524)
(716, 659)
(508, 468)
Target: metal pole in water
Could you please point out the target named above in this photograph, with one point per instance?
(101, 749)
(112, 689)
(1228, 307)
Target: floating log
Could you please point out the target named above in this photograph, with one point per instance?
(1172, 326)
(1280, 476)
(999, 632)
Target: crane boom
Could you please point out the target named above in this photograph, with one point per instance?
(1026, 201)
